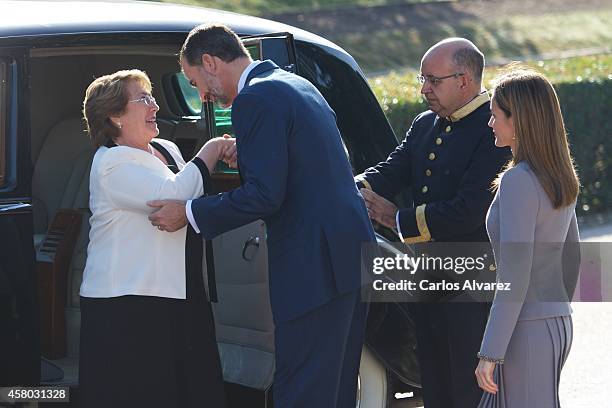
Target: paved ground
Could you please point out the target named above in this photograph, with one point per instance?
(602, 233)
(587, 377)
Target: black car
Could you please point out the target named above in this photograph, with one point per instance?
(49, 53)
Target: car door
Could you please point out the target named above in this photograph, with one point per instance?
(245, 330)
(19, 333)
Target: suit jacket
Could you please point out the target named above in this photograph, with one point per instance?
(531, 241)
(126, 254)
(297, 178)
(448, 164)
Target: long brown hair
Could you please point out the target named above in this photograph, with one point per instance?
(530, 100)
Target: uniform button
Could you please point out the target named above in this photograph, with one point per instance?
(448, 129)
(432, 156)
(492, 268)
(439, 141)
(428, 172)
(424, 189)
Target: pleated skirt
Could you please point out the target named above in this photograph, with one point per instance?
(530, 375)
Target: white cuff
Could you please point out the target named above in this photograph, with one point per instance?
(397, 224)
(190, 216)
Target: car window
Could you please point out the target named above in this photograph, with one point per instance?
(362, 123)
(189, 94)
(3, 119)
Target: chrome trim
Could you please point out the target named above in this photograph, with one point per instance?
(358, 391)
(14, 206)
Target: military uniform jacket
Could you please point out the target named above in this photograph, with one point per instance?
(449, 164)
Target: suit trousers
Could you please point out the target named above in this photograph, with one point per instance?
(318, 355)
(448, 339)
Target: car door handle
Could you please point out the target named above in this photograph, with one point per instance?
(251, 242)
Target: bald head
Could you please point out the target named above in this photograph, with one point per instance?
(462, 54)
(451, 74)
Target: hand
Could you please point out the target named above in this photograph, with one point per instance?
(484, 375)
(170, 215)
(219, 148)
(380, 209)
(230, 153)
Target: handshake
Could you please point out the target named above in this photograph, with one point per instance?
(219, 149)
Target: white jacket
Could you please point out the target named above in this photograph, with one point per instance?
(126, 254)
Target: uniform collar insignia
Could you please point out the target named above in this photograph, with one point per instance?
(470, 107)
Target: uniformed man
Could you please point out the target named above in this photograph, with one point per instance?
(448, 160)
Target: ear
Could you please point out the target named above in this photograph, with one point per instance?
(464, 80)
(116, 120)
(209, 63)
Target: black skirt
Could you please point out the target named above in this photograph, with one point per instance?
(140, 351)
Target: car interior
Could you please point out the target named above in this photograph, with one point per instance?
(61, 157)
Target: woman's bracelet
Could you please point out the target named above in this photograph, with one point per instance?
(492, 360)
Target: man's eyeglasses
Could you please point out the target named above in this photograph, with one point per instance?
(148, 100)
(434, 80)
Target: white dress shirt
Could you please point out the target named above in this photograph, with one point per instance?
(241, 83)
(126, 254)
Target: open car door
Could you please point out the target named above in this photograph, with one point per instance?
(243, 318)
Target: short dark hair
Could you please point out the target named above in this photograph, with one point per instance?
(216, 40)
(470, 60)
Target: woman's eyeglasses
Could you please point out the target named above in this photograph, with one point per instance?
(148, 100)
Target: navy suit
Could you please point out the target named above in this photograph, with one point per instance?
(297, 178)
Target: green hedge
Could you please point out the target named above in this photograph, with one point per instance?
(587, 112)
(586, 109)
